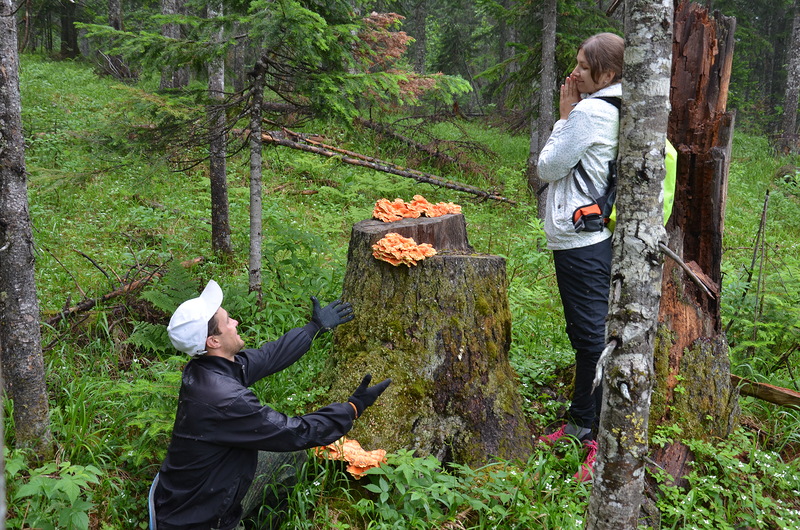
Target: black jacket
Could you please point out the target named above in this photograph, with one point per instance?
(220, 426)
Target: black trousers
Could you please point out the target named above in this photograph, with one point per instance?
(584, 277)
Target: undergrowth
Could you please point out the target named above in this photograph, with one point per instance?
(107, 211)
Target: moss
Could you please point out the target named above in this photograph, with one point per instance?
(442, 332)
(665, 338)
(482, 306)
(707, 406)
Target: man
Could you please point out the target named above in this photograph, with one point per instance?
(222, 433)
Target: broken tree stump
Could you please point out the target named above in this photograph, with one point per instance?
(441, 330)
(693, 387)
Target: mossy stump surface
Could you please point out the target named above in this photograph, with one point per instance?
(441, 330)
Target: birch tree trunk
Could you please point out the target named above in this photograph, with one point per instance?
(256, 100)
(540, 128)
(220, 223)
(792, 85)
(617, 494)
(20, 338)
(172, 77)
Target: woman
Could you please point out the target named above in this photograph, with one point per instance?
(587, 133)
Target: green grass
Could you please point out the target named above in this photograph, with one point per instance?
(107, 210)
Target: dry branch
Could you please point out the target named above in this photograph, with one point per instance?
(301, 143)
(89, 303)
(765, 392)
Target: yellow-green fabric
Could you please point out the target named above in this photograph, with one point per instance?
(668, 185)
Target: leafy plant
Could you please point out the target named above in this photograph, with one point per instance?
(729, 487)
(51, 496)
(411, 492)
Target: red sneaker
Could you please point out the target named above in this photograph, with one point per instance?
(584, 474)
(551, 439)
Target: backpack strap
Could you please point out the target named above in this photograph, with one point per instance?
(614, 100)
(590, 189)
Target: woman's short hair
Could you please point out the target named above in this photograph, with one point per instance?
(604, 52)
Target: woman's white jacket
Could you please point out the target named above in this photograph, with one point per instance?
(589, 134)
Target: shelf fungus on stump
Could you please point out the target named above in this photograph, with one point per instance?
(396, 249)
(390, 211)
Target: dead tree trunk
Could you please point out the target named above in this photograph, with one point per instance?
(693, 385)
(441, 330)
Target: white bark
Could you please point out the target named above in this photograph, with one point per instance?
(636, 268)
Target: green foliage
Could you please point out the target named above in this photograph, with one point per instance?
(411, 492)
(51, 496)
(728, 487)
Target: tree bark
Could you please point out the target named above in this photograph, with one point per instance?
(172, 77)
(419, 15)
(691, 360)
(115, 14)
(617, 493)
(792, 92)
(220, 222)
(20, 338)
(256, 236)
(69, 35)
(441, 330)
(540, 128)
(692, 351)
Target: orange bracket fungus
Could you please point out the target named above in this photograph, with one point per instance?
(396, 249)
(388, 211)
(358, 459)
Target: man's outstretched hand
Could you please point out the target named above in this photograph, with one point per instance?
(365, 395)
(333, 314)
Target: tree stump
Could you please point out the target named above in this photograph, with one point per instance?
(693, 384)
(441, 330)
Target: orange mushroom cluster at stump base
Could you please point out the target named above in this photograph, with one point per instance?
(389, 211)
(396, 249)
(358, 459)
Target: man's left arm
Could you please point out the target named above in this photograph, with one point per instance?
(276, 355)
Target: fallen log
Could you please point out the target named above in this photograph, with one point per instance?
(89, 303)
(348, 157)
(766, 392)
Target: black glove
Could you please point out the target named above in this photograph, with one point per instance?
(333, 314)
(364, 397)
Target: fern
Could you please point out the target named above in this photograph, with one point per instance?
(150, 337)
(175, 287)
(166, 294)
